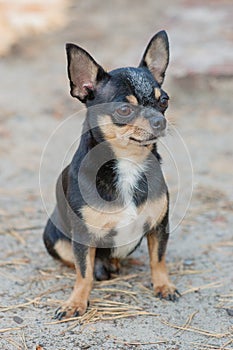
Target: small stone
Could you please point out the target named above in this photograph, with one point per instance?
(219, 234)
(188, 262)
(229, 311)
(18, 319)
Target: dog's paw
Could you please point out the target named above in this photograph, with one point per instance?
(167, 291)
(70, 309)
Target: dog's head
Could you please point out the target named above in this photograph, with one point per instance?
(126, 104)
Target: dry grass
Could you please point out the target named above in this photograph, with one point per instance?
(221, 244)
(14, 262)
(100, 308)
(197, 330)
(134, 343)
(16, 235)
(205, 286)
(11, 341)
(187, 323)
(104, 308)
(10, 329)
(202, 346)
(225, 301)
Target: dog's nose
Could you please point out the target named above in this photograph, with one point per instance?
(158, 124)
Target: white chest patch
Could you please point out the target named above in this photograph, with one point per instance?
(129, 227)
(128, 175)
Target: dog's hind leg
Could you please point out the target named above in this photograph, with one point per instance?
(105, 265)
(58, 244)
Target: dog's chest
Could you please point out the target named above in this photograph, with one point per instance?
(129, 175)
(130, 226)
(121, 227)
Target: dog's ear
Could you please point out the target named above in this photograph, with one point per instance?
(83, 72)
(156, 56)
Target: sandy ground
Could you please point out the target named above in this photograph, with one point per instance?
(34, 100)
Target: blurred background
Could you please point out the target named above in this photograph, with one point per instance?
(34, 100)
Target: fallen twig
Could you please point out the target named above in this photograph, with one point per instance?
(206, 286)
(195, 330)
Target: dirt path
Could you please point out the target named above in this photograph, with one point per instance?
(34, 100)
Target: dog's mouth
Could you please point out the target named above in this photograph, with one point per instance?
(151, 139)
(146, 142)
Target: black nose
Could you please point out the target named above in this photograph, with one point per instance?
(158, 124)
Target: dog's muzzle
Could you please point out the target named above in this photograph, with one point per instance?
(158, 125)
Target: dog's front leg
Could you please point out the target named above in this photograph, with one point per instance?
(157, 241)
(77, 303)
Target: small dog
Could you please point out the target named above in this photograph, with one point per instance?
(113, 193)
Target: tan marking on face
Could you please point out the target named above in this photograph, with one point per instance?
(157, 93)
(131, 151)
(112, 131)
(65, 251)
(118, 137)
(142, 128)
(132, 99)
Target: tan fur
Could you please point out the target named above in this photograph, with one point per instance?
(101, 221)
(157, 93)
(155, 59)
(154, 210)
(142, 128)
(79, 297)
(78, 64)
(134, 153)
(120, 147)
(115, 264)
(159, 274)
(132, 99)
(112, 131)
(64, 250)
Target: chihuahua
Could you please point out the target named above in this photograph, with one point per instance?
(113, 193)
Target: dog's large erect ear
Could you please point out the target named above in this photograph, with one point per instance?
(84, 73)
(156, 56)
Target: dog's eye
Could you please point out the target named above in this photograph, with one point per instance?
(124, 111)
(163, 102)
